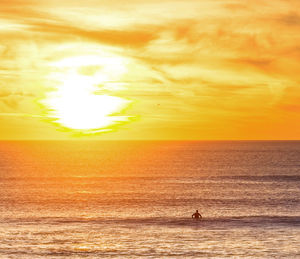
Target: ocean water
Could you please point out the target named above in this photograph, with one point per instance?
(134, 199)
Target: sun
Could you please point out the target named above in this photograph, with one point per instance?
(78, 101)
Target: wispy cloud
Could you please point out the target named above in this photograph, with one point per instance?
(210, 57)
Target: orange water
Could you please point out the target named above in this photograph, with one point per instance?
(135, 199)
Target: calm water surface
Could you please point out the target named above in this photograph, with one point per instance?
(135, 199)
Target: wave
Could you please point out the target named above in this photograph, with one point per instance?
(210, 222)
(183, 179)
(262, 178)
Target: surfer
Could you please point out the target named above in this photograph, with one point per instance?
(196, 215)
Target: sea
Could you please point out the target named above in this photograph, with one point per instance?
(135, 199)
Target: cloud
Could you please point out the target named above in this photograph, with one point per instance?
(265, 65)
(207, 58)
(236, 6)
(291, 19)
(290, 99)
(131, 38)
(4, 93)
(290, 107)
(12, 98)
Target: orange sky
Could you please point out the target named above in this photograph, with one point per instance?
(149, 69)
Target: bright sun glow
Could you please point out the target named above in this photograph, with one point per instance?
(77, 102)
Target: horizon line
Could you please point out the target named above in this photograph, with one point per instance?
(157, 140)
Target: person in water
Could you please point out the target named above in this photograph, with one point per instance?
(197, 215)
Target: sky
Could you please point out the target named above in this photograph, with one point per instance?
(180, 69)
